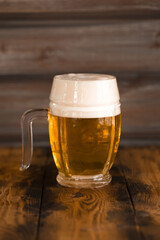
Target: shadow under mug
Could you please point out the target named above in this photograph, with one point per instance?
(84, 121)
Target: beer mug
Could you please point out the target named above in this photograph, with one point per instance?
(84, 119)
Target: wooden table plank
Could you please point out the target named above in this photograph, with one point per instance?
(20, 194)
(141, 168)
(104, 213)
(33, 205)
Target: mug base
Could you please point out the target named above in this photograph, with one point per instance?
(94, 181)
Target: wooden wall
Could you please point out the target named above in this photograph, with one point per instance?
(39, 39)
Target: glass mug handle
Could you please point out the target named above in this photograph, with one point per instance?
(27, 134)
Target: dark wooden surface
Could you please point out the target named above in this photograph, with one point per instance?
(39, 39)
(34, 206)
(20, 194)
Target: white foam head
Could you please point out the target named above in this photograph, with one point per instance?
(84, 96)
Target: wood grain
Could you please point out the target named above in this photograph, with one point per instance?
(78, 5)
(139, 98)
(33, 205)
(80, 47)
(73, 9)
(20, 194)
(105, 213)
(141, 168)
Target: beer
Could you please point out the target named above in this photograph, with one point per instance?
(84, 146)
(84, 119)
(84, 128)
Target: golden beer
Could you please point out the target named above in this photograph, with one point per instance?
(84, 146)
(84, 119)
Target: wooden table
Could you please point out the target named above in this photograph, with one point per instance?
(34, 206)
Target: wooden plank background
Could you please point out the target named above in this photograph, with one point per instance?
(39, 39)
(101, 46)
(90, 8)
